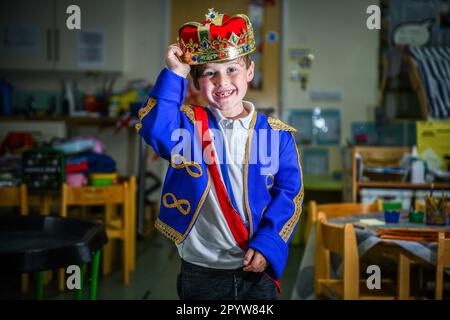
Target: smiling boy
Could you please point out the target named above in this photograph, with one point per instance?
(229, 213)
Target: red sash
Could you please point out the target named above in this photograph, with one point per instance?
(238, 229)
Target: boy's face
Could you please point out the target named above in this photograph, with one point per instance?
(225, 84)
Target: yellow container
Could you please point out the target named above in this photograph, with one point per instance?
(103, 176)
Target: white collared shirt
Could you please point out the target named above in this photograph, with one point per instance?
(210, 242)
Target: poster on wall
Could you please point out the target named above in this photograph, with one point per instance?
(327, 126)
(433, 143)
(316, 126)
(90, 49)
(302, 121)
(315, 161)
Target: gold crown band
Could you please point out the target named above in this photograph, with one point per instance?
(219, 49)
(198, 54)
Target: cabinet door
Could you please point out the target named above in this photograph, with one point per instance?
(26, 34)
(98, 45)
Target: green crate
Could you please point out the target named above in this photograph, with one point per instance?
(43, 169)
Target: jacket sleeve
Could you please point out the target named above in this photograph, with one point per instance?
(161, 115)
(283, 212)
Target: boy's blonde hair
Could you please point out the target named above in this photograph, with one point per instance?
(197, 70)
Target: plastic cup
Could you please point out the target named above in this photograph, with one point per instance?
(391, 216)
(416, 216)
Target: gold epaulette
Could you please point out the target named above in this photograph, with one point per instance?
(188, 111)
(276, 124)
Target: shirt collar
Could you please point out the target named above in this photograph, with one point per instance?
(245, 121)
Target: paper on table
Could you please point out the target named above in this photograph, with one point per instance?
(372, 222)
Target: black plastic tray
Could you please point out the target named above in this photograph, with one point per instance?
(38, 243)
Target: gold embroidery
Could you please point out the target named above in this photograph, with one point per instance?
(263, 210)
(189, 112)
(138, 126)
(200, 204)
(172, 233)
(177, 203)
(151, 102)
(187, 165)
(247, 156)
(269, 186)
(169, 232)
(288, 227)
(276, 124)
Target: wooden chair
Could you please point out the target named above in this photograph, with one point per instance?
(121, 227)
(333, 210)
(341, 240)
(15, 197)
(442, 262)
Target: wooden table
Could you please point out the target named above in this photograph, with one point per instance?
(404, 252)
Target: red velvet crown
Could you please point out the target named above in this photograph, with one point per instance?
(219, 38)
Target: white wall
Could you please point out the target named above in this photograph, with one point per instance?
(144, 44)
(346, 58)
(146, 34)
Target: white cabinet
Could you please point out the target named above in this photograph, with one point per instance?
(98, 45)
(25, 36)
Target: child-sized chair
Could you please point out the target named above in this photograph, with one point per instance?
(341, 240)
(442, 262)
(121, 226)
(333, 210)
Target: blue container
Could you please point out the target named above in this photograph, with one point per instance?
(6, 98)
(392, 216)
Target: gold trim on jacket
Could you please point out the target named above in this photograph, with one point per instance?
(288, 227)
(247, 156)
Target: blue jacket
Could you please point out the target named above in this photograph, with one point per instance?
(273, 192)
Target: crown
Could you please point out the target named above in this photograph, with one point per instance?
(218, 38)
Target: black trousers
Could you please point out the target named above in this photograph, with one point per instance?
(200, 283)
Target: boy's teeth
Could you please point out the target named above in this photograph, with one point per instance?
(224, 94)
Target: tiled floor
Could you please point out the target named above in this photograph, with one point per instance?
(157, 266)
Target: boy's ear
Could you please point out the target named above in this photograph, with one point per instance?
(251, 72)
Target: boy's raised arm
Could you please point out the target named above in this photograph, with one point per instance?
(161, 115)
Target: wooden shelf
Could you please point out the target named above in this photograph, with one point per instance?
(403, 185)
(383, 154)
(89, 121)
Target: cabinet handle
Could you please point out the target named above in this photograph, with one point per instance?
(56, 45)
(49, 44)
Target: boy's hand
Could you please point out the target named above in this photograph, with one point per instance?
(254, 261)
(173, 62)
